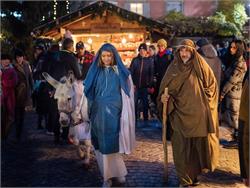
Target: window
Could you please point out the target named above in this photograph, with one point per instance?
(137, 8)
(175, 5)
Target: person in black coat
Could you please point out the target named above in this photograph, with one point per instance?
(142, 72)
(65, 61)
(231, 89)
(152, 103)
(53, 116)
(40, 93)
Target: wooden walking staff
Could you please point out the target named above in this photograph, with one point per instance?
(164, 137)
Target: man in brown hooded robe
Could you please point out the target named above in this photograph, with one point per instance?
(244, 133)
(192, 111)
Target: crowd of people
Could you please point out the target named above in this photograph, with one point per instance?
(205, 91)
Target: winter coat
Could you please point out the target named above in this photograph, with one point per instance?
(231, 92)
(84, 63)
(24, 85)
(38, 66)
(8, 84)
(161, 65)
(43, 97)
(66, 61)
(209, 53)
(244, 131)
(142, 71)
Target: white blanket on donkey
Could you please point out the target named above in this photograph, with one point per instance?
(81, 131)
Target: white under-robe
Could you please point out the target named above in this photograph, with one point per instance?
(112, 165)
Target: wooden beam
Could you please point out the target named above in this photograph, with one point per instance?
(72, 22)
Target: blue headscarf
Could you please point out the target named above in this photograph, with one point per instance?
(94, 69)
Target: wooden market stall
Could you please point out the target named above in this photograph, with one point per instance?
(103, 22)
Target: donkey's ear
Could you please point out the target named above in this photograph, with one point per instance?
(51, 80)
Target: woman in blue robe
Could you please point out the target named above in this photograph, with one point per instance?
(109, 89)
(106, 111)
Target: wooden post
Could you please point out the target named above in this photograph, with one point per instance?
(164, 138)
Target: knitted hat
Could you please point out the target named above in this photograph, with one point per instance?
(162, 42)
(142, 46)
(202, 42)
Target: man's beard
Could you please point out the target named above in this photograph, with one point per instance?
(185, 60)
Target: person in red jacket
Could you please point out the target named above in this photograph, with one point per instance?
(8, 83)
(84, 58)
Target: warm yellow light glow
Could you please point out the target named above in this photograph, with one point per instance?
(90, 41)
(124, 41)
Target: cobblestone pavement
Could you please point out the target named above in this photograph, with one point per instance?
(36, 161)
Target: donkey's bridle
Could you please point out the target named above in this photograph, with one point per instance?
(71, 123)
(69, 114)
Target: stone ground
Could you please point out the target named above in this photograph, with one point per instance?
(37, 162)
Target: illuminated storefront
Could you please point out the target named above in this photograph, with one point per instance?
(103, 22)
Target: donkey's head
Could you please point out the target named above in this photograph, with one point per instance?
(65, 96)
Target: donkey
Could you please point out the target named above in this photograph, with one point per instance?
(73, 108)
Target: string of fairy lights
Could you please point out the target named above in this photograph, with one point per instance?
(55, 4)
(67, 7)
(55, 9)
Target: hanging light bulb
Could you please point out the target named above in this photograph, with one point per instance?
(130, 36)
(124, 41)
(90, 41)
